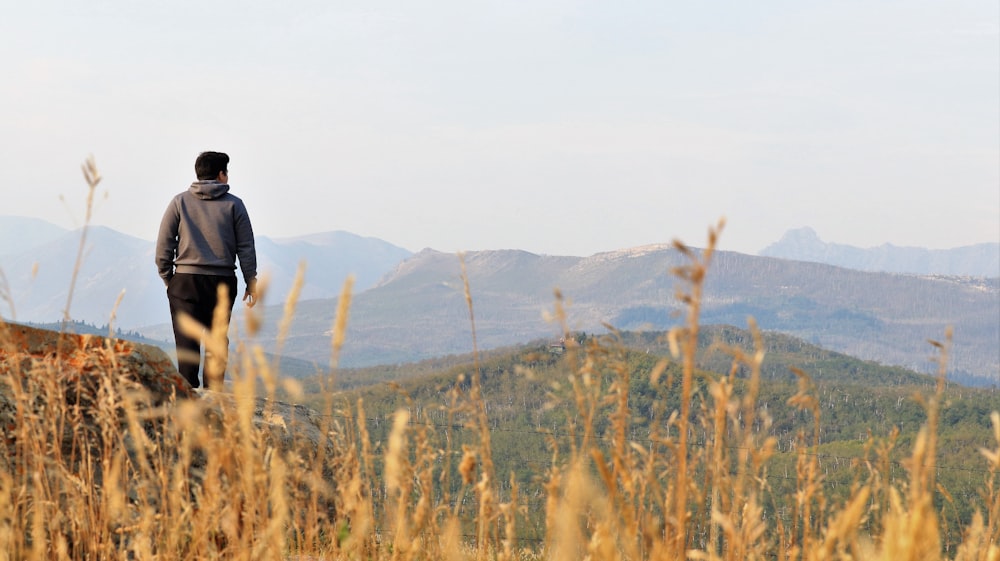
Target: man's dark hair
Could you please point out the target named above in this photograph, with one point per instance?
(209, 164)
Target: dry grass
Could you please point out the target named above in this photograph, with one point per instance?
(199, 480)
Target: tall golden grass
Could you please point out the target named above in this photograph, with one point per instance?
(202, 479)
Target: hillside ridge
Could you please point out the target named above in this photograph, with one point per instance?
(420, 311)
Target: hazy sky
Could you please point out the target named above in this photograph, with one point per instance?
(558, 127)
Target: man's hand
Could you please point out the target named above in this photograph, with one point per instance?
(250, 296)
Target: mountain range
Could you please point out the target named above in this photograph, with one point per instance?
(409, 307)
(803, 244)
(421, 311)
(38, 260)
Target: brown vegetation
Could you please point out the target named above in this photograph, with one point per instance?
(179, 480)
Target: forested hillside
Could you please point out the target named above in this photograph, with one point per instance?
(538, 407)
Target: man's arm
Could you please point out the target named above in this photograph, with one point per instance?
(246, 251)
(166, 242)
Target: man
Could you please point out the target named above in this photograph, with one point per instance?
(203, 231)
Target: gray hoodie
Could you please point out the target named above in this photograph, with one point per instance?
(203, 231)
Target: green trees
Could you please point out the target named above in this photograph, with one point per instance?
(529, 398)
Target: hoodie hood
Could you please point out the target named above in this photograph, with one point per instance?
(209, 189)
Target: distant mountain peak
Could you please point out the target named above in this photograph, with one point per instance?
(801, 234)
(18, 233)
(798, 243)
(804, 244)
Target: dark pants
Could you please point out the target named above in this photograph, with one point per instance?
(197, 296)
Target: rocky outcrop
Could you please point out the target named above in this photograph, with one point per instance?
(77, 386)
(108, 427)
(28, 351)
(66, 381)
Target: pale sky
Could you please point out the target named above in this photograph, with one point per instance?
(557, 127)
